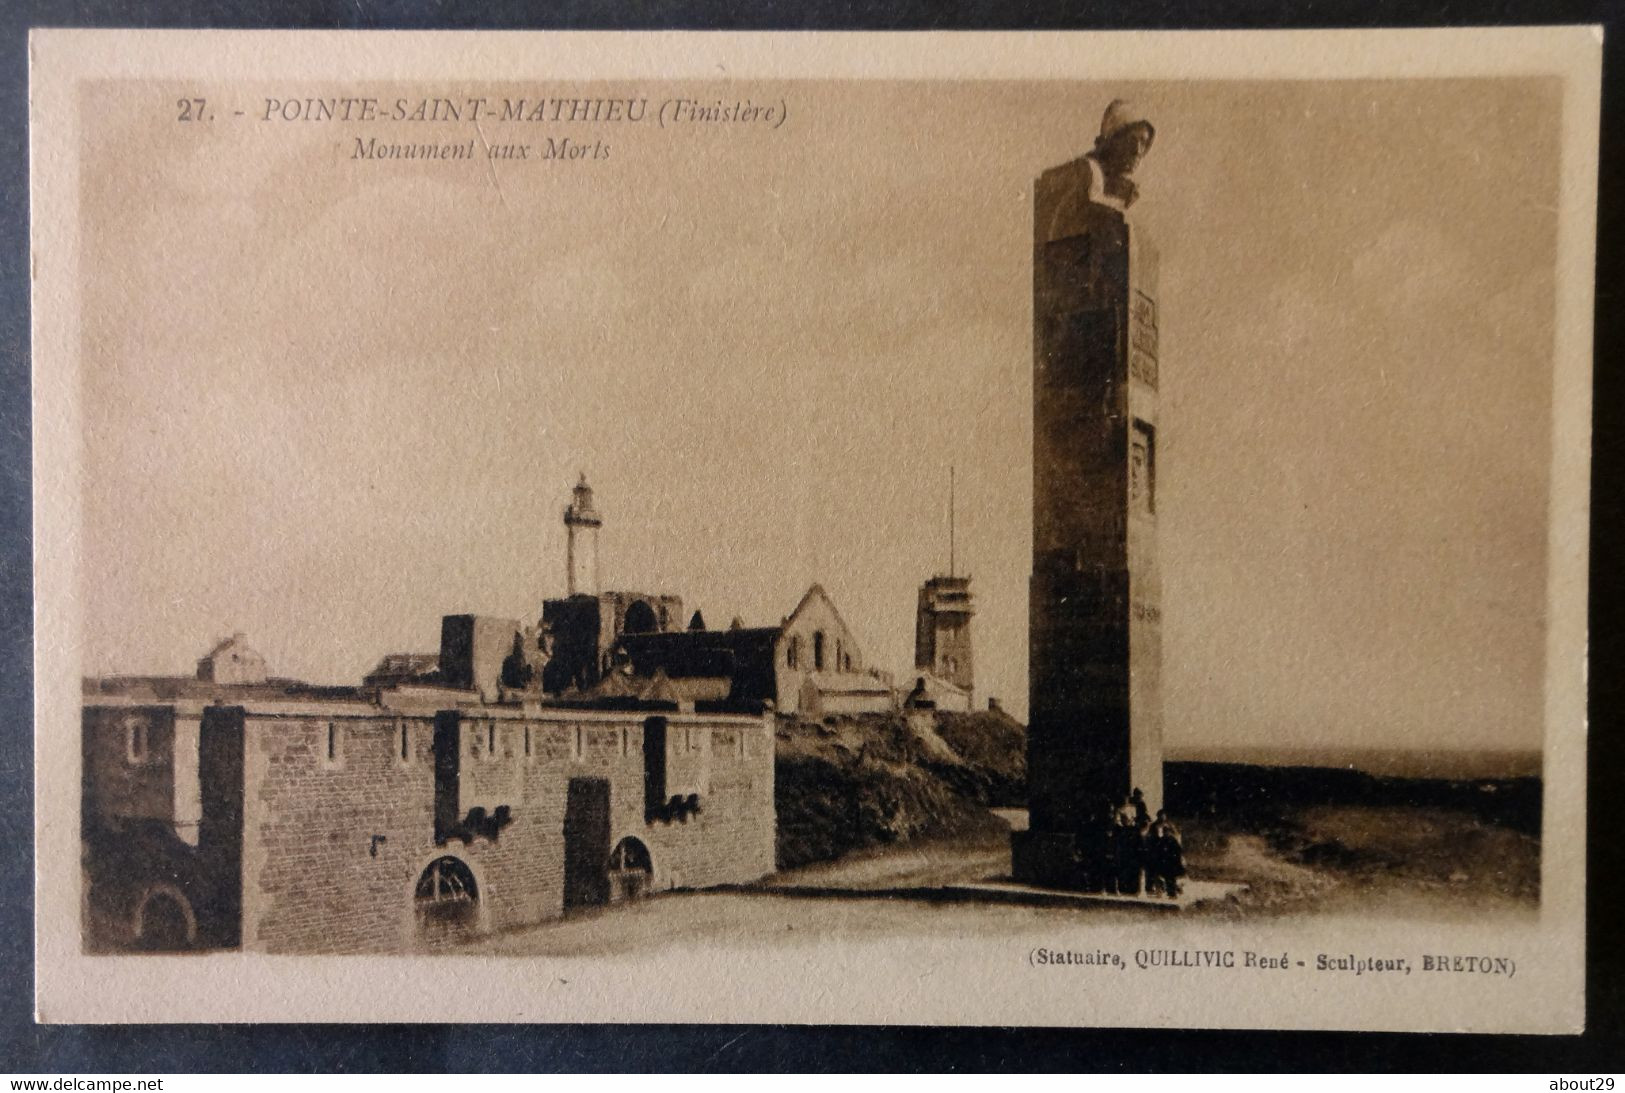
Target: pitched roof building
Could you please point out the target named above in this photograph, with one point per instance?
(809, 664)
(231, 661)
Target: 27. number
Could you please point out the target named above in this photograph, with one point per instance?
(191, 110)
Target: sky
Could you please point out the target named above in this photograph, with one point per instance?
(328, 400)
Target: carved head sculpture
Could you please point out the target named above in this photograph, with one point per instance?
(1125, 138)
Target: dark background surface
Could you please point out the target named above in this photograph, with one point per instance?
(27, 1048)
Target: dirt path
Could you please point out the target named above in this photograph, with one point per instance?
(1371, 864)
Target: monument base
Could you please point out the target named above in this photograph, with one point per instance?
(1032, 895)
(1045, 858)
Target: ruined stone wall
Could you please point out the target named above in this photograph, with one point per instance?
(472, 651)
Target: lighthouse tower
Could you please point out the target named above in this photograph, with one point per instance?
(581, 524)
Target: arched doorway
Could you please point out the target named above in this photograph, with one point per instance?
(631, 871)
(447, 900)
(640, 619)
(164, 921)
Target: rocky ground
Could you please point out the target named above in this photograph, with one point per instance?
(848, 784)
(1423, 862)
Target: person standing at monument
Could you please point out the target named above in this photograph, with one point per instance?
(1130, 851)
(1169, 854)
(1111, 869)
(1146, 847)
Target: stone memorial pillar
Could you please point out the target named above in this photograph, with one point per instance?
(1095, 701)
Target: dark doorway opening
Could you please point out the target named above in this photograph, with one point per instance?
(586, 842)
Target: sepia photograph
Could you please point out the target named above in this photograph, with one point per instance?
(752, 531)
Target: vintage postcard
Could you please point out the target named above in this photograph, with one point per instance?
(1012, 529)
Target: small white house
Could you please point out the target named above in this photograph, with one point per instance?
(232, 661)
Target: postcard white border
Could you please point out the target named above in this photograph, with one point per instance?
(930, 980)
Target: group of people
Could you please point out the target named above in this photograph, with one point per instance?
(1125, 851)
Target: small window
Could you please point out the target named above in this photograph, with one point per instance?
(137, 741)
(744, 751)
(1142, 468)
(818, 651)
(626, 743)
(580, 747)
(403, 733)
(792, 652)
(490, 739)
(527, 742)
(333, 745)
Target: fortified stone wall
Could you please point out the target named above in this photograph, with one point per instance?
(129, 762)
(335, 843)
(332, 848)
(732, 838)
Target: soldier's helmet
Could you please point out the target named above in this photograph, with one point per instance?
(1120, 115)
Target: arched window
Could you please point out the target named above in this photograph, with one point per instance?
(447, 898)
(447, 880)
(164, 921)
(818, 651)
(640, 619)
(630, 854)
(631, 871)
(792, 652)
